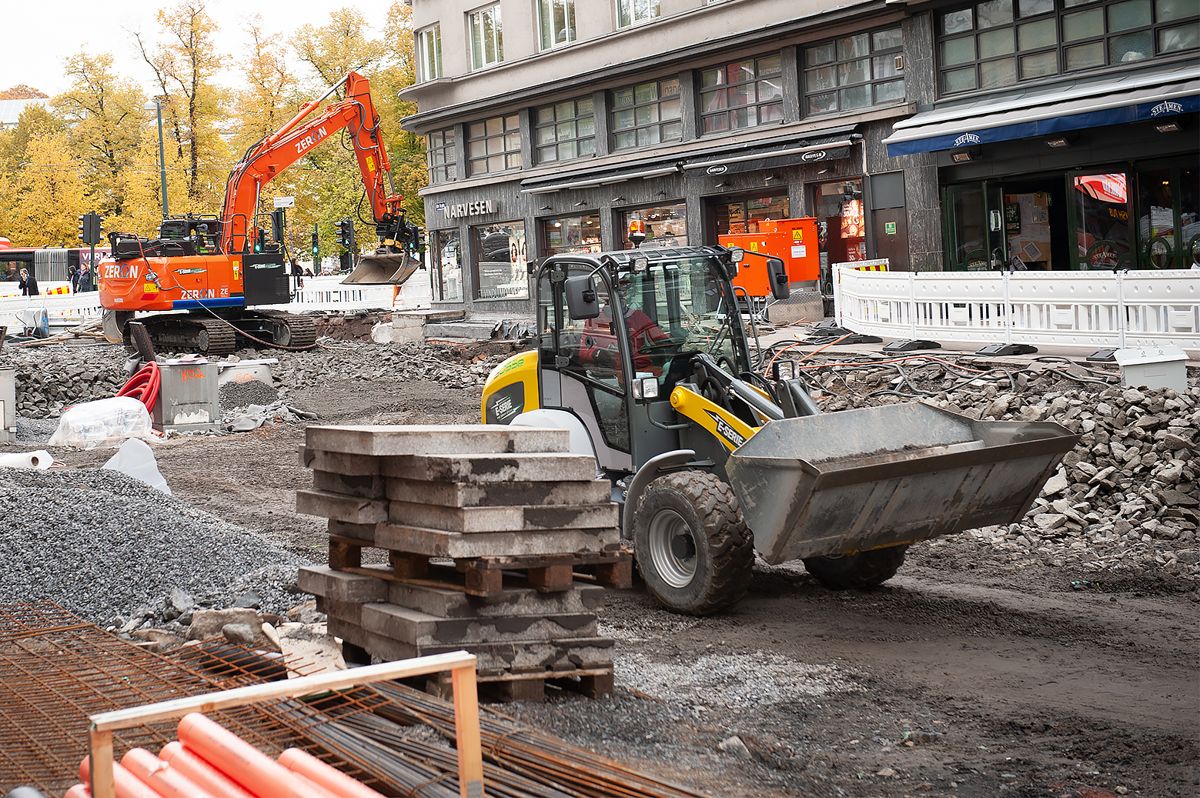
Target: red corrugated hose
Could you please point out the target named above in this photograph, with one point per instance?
(144, 385)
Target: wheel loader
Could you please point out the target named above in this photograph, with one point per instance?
(643, 356)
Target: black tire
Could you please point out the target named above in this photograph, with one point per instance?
(861, 571)
(698, 512)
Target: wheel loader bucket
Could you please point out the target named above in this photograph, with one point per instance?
(845, 482)
(383, 269)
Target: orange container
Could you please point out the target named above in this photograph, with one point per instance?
(794, 241)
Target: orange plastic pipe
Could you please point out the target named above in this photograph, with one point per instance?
(127, 785)
(78, 791)
(160, 776)
(313, 789)
(332, 779)
(253, 770)
(200, 772)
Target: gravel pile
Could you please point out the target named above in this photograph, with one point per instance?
(1127, 498)
(110, 548)
(243, 394)
(50, 378)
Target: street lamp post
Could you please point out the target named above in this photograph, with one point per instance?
(162, 158)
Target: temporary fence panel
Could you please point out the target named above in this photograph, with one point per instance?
(1073, 310)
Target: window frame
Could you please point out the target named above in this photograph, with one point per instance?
(553, 124)
(728, 110)
(445, 167)
(1059, 13)
(424, 37)
(872, 82)
(492, 9)
(613, 109)
(569, 16)
(505, 152)
(628, 16)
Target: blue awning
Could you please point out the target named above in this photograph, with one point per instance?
(1131, 98)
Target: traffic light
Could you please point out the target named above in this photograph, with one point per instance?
(277, 221)
(260, 235)
(89, 228)
(316, 246)
(346, 234)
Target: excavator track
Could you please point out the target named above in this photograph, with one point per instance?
(190, 333)
(284, 330)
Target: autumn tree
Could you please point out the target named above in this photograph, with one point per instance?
(47, 211)
(16, 167)
(271, 93)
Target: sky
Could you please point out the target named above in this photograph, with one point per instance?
(40, 36)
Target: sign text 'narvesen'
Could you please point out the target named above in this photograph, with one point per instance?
(458, 210)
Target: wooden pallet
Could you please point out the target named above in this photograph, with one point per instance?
(509, 687)
(488, 577)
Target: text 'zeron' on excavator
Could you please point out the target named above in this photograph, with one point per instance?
(215, 269)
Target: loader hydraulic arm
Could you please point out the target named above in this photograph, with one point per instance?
(307, 129)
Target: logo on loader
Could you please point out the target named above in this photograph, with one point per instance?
(725, 431)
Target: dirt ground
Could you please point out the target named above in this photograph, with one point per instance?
(958, 678)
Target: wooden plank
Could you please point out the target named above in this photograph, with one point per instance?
(100, 763)
(466, 732)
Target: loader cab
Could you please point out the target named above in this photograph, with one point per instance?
(618, 331)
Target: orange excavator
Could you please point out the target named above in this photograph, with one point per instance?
(209, 271)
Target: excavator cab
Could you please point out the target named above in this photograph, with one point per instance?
(643, 355)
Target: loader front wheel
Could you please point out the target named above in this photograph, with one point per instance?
(691, 544)
(861, 571)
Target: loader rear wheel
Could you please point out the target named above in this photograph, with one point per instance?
(692, 546)
(861, 571)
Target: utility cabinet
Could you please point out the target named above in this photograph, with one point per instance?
(188, 399)
(8, 405)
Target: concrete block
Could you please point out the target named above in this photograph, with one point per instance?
(364, 533)
(457, 494)
(428, 439)
(457, 545)
(339, 463)
(503, 519)
(412, 626)
(365, 486)
(447, 603)
(535, 467)
(340, 586)
(340, 508)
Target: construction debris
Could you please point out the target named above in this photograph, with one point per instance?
(484, 527)
(111, 548)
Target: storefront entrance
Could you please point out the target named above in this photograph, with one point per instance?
(742, 214)
(841, 224)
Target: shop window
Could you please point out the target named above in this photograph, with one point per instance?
(487, 36)
(1168, 218)
(500, 260)
(556, 22)
(742, 94)
(743, 215)
(1102, 230)
(565, 130)
(441, 156)
(666, 225)
(998, 43)
(631, 12)
(447, 265)
(494, 145)
(567, 234)
(429, 53)
(841, 234)
(645, 114)
(858, 71)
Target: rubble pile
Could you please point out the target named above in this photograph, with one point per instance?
(116, 551)
(50, 378)
(1127, 498)
(357, 361)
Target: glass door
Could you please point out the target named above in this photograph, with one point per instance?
(1101, 220)
(1168, 218)
(975, 230)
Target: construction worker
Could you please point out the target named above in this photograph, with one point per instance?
(28, 284)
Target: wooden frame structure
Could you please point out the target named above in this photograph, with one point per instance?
(466, 711)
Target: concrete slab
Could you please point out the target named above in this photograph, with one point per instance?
(428, 439)
(365, 486)
(532, 467)
(502, 519)
(339, 463)
(412, 626)
(361, 532)
(446, 603)
(458, 545)
(340, 586)
(340, 508)
(458, 494)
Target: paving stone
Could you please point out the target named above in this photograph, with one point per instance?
(341, 586)
(489, 468)
(339, 463)
(364, 486)
(412, 626)
(446, 603)
(460, 494)
(428, 439)
(360, 532)
(340, 508)
(503, 519)
(459, 545)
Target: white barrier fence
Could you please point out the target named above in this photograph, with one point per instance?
(316, 293)
(1069, 311)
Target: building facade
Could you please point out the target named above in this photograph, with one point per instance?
(552, 124)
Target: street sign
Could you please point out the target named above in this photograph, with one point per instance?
(285, 202)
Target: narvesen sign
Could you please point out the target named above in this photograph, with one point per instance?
(460, 210)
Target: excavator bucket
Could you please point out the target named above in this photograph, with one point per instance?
(391, 268)
(839, 483)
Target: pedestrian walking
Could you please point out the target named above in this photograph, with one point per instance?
(85, 280)
(28, 284)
